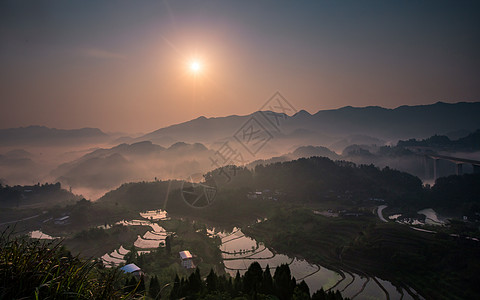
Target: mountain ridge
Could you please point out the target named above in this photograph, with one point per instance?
(42, 135)
(324, 126)
(385, 123)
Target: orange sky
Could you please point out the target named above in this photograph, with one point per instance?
(122, 66)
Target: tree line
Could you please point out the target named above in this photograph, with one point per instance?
(256, 283)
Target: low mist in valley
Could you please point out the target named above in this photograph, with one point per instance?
(92, 170)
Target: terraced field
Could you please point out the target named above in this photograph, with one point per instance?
(150, 240)
(239, 251)
(437, 266)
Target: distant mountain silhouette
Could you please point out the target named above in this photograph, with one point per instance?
(15, 164)
(458, 134)
(108, 168)
(300, 152)
(18, 153)
(19, 166)
(180, 150)
(470, 142)
(16, 158)
(98, 172)
(339, 146)
(197, 130)
(140, 148)
(328, 127)
(404, 121)
(41, 135)
(37, 195)
(309, 151)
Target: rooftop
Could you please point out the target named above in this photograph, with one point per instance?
(185, 254)
(130, 268)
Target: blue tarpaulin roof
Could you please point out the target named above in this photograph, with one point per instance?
(130, 268)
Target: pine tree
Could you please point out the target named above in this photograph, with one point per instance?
(282, 282)
(267, 282)
(238, 285)
(330, 295)
(338, 295)
(168, 244)
(130, 284)
(131, 257)
(252, 279)
(175, 293)
(301, 291)
(195, 282)
(212, 281)
(229, 286)
(319, 295)
(183, 287)
(154, 287)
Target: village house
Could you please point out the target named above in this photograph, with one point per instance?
(186, 258)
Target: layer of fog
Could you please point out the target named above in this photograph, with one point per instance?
(94, 169)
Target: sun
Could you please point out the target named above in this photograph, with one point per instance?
(195, 67)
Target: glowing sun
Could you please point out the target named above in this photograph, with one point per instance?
(195, 66)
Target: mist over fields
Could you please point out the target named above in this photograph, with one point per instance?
(89, 162)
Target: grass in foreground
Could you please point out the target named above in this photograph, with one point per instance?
(31, 269)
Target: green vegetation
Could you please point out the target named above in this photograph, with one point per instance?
(95, 242)
(254, 284)
(39, 195)
(459, 194)
(469, 143)
(192, 236)
(319, 179)
(140, 196)
(307, 181)
(82, 214)
(164, 262)
(152, 195)
(38, 270)
(436, 266)
(355, 241)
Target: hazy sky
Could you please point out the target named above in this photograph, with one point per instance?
(122, 65)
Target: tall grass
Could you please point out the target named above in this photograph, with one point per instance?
(32, 269)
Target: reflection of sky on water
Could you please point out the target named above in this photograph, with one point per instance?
(37, 234)
(150, 240)
(315, 276)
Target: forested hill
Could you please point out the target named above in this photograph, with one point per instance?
(306, 180)
(312, 179)
(470, 142)
(39, 194)
(318, 178)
